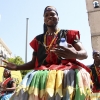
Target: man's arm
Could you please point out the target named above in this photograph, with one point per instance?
(27, 66)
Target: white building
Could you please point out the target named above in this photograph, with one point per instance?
(4, 51)
(4, 54)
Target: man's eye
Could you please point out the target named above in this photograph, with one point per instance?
(52, 14)
(46, 15)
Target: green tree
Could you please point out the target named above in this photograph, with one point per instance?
(18, 61)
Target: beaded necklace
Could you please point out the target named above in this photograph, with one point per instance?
(55, 35)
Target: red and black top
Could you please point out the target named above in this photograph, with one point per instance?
(44, 58)
(95, 76)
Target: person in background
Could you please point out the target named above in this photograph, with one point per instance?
(7, 86)
(55, 68)
(95, 72)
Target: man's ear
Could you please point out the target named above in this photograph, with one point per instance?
(58, 18)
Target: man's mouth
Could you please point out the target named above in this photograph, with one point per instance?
(50, 20)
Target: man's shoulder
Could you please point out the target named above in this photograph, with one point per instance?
(71, 33)
(70, 30)
(73, 30)
(40, 37)
(91, 66)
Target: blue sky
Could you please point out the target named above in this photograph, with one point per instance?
(13, 14)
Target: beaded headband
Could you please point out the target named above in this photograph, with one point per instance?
(50, 8)
(94, 51)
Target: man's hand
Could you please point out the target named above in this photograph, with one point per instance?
(65, 52)
(9, 66)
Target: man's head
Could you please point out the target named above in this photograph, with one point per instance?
(96, 56)
(50, 8)
(6, 73)
(51, 16)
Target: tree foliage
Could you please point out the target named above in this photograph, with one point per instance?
(18, 61)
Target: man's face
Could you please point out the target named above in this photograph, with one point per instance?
(50, 18)
(96, 56)
(6, 73)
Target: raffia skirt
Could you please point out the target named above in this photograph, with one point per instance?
(72, 83)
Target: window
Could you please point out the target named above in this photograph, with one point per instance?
(0, 61)
(95, 4)
(1, 53)
(5, 56)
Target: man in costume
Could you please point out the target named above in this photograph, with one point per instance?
(54, 78)
(95, 71)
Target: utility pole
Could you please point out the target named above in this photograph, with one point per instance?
(26, 39)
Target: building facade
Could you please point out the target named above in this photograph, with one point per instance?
(4, 54)
(4, 51)
(93, 11)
